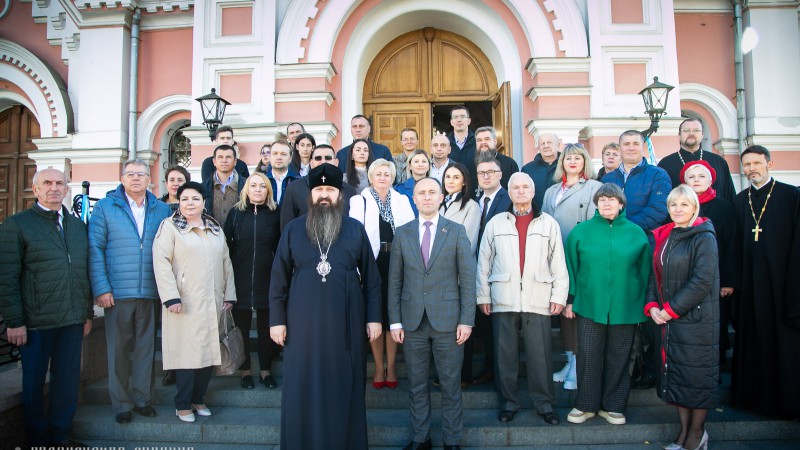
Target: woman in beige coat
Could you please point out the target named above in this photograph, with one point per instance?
(195, 282)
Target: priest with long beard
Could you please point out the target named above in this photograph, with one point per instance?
(325, 294)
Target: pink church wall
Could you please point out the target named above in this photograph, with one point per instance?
(560, 79)
(561, 107)
(18, 27)
(165, 65)
(705, 51)
(286, 85)
(96, 172)
(627, 11)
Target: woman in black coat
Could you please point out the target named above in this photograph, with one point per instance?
(252, 231)
(683, 299)
(699, 175)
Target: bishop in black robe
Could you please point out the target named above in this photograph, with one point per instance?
(326, 315)
(723, 184)
(766, 355)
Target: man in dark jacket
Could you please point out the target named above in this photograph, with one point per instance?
(46, 302)
(121, 233)
(543, 166)
(360, 128)
(295, 200)
(486, 141)
(280, 171)
(462, 139)
(224, 136)
(224, 185)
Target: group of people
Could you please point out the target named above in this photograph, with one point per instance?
(336, 250)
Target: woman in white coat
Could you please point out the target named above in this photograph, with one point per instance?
(571, 201)
(382, 210)
(195, 282)
(457, 205)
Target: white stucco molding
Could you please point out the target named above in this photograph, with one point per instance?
(327, 97)
(293, 30)
(155, 114)
(716, 103)
(310, 70)
(557, 65)
(41, 84)
(570, 22)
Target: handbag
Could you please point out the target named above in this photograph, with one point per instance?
(231, 347)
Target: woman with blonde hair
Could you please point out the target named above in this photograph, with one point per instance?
(571, 201)
(252, 231)
(382, 210)
(683, 299)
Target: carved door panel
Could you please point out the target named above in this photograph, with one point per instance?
(18, 128)
(501, 119)
(389, 119)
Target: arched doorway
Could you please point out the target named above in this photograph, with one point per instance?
(18, 128)
(416, 78)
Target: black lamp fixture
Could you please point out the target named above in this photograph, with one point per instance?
(213, 108)
(655, 99)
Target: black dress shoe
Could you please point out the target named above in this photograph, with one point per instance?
(247, 382)
(125, 417)
(169, 378)
(427, 445)
(485, 377)
(452, 447)
(69, 443)
(147, 411)
(551, 418)
(506, 415)
(269, 382)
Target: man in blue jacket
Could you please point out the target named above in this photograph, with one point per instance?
(121, 232)
(360, 128)
(646, 186)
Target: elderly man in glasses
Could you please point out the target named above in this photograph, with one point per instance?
(121, 233)
(295, 199)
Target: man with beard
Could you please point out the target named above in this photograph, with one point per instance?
(691, 135)
(319, 308)
(486, 140)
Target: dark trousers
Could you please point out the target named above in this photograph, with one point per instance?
(192, 385)
(130, 345)
(243, 318)
(482, 330)
(448, 357)
(603, 379)
(650, 343)
(60, 349)
(538, 361)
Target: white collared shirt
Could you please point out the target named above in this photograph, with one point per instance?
(60, 217)
(138, 212)
(438, 172)
(489, 206)
(279, 185)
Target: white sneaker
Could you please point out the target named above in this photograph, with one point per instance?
(613, 418)
(578, 416)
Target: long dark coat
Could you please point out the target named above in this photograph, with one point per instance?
(689, 288)
(324, 358)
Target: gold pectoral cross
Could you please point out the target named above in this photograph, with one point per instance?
(757, 230)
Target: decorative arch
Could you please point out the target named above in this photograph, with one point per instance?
(717, 104)
(46, 90)
(152, 117)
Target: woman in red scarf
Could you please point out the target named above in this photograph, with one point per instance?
(699, 175)
(683, 299)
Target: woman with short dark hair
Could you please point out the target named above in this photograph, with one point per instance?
(194, 276)
(609, 261)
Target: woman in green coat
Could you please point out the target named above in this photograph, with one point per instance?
(609, 262)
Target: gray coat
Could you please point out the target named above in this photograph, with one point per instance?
(576, 205)
(445, 290)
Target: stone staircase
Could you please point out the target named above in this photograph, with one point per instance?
(251, 419)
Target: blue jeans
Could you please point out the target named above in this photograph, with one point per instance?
(60, 348)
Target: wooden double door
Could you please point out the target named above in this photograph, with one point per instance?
(18, 128)
(429, 67)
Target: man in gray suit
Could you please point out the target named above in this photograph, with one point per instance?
(432, 308)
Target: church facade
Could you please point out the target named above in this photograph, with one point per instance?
(87, 84)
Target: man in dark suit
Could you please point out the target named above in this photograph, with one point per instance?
(360, 128)
(431, 304)
(462, 139)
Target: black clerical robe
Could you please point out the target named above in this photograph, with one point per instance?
(324, 357)
(723, 184)
(766, 358)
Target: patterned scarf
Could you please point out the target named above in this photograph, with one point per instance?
(182, 224)
(385, 209)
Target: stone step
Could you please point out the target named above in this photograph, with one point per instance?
(227, 392)
(389, 427)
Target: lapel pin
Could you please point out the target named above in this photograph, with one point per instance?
(444, 230)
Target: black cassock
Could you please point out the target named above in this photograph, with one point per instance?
(766, 355)
(324, 359)
(724, 183)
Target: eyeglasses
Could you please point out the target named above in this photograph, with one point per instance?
(135, 174)
(265, 153)
(488, 173)
(462, 116)
(693, 131)
(321, 157)
(408, 139)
